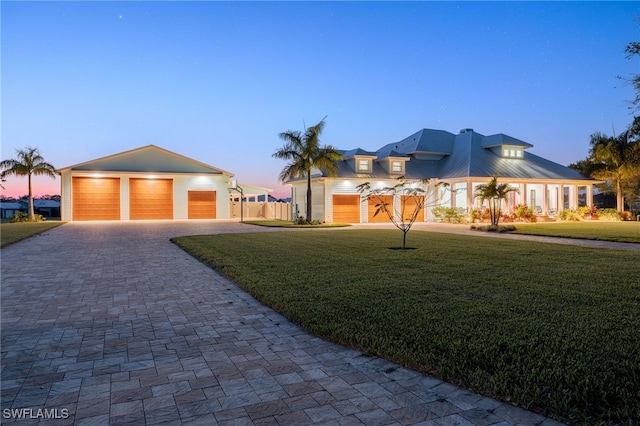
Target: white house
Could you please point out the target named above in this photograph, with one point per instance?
(463, 161)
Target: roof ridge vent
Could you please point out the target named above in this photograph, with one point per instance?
(466, 130)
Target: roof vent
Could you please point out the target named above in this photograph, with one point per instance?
(466, 130)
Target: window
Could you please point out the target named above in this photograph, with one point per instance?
(363, 165)
(512, 152)
(396, 166)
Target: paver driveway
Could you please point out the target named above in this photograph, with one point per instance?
(110, 323)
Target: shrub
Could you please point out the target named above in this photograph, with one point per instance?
(626, 215)
(611, 215)
(476, 215)
(24, 217)
(570, 215)
(523, 213)
(450, 214)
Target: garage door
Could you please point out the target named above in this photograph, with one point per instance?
(202, 204)
(95, 198)
(382, 217)
(410, 203)
(346, 209)
(150, 198)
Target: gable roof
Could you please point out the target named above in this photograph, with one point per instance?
(150, 158)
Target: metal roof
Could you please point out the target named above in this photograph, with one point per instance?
(148, 158)
(424, 141)
(467, 154)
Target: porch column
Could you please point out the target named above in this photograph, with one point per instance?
(453, 189)
(545, 199)
(589, 195)
(470, 205)
(560, 197)
(573, 194)
(524, 195)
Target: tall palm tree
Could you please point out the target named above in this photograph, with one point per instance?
(494, 192)
(28, 162)
(305, 153)
(616, 159)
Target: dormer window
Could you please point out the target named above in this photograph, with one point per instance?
(512, 152)
(364, 165)
(397, 166)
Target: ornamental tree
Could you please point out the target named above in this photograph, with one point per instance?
(409, 199)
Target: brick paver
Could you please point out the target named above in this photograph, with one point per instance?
(110, 323)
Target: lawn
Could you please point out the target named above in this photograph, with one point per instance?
(626, 232)
(551, 328)
(11, 233)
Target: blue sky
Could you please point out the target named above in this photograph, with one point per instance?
(218, 81)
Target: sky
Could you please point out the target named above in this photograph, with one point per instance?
(219, 81)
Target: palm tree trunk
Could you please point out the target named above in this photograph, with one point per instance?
(31, 211)
(619, 196)
(308, 218)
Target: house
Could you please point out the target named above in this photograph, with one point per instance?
(46, 208)
(9, 208)
(463, 161)
(147, 183)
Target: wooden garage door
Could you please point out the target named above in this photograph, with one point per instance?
(202, 204)
(410, 206)
(382, 217)
(150, 198)
(346, 209)
(95, 198)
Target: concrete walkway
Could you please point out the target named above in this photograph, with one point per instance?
(464, 230)
(110, 323)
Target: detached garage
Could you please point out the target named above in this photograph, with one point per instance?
(144, 183)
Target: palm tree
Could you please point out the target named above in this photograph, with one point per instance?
(28, 162)
(305, 153)
(494, 192)
(615, 159)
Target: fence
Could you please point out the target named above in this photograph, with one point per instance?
(261, 210)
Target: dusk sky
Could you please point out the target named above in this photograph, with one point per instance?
(218, 81)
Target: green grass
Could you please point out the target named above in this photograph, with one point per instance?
(278, 223)
(626, 232)
(11, 233)
(551, 328)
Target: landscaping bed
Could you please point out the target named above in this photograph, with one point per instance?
(551, 328)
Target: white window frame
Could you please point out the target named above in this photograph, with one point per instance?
(363, 162)
(400, 166)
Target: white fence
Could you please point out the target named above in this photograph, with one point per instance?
(261, 210)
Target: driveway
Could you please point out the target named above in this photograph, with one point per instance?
(110, 323)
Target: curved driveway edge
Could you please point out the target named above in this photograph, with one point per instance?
(110, 323)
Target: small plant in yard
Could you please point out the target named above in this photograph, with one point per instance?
(494, 192)
(19, 217)
(524, 213)
(409, 200)
(450, 214)
(611, 215)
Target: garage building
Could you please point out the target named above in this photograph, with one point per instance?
(144, 183)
